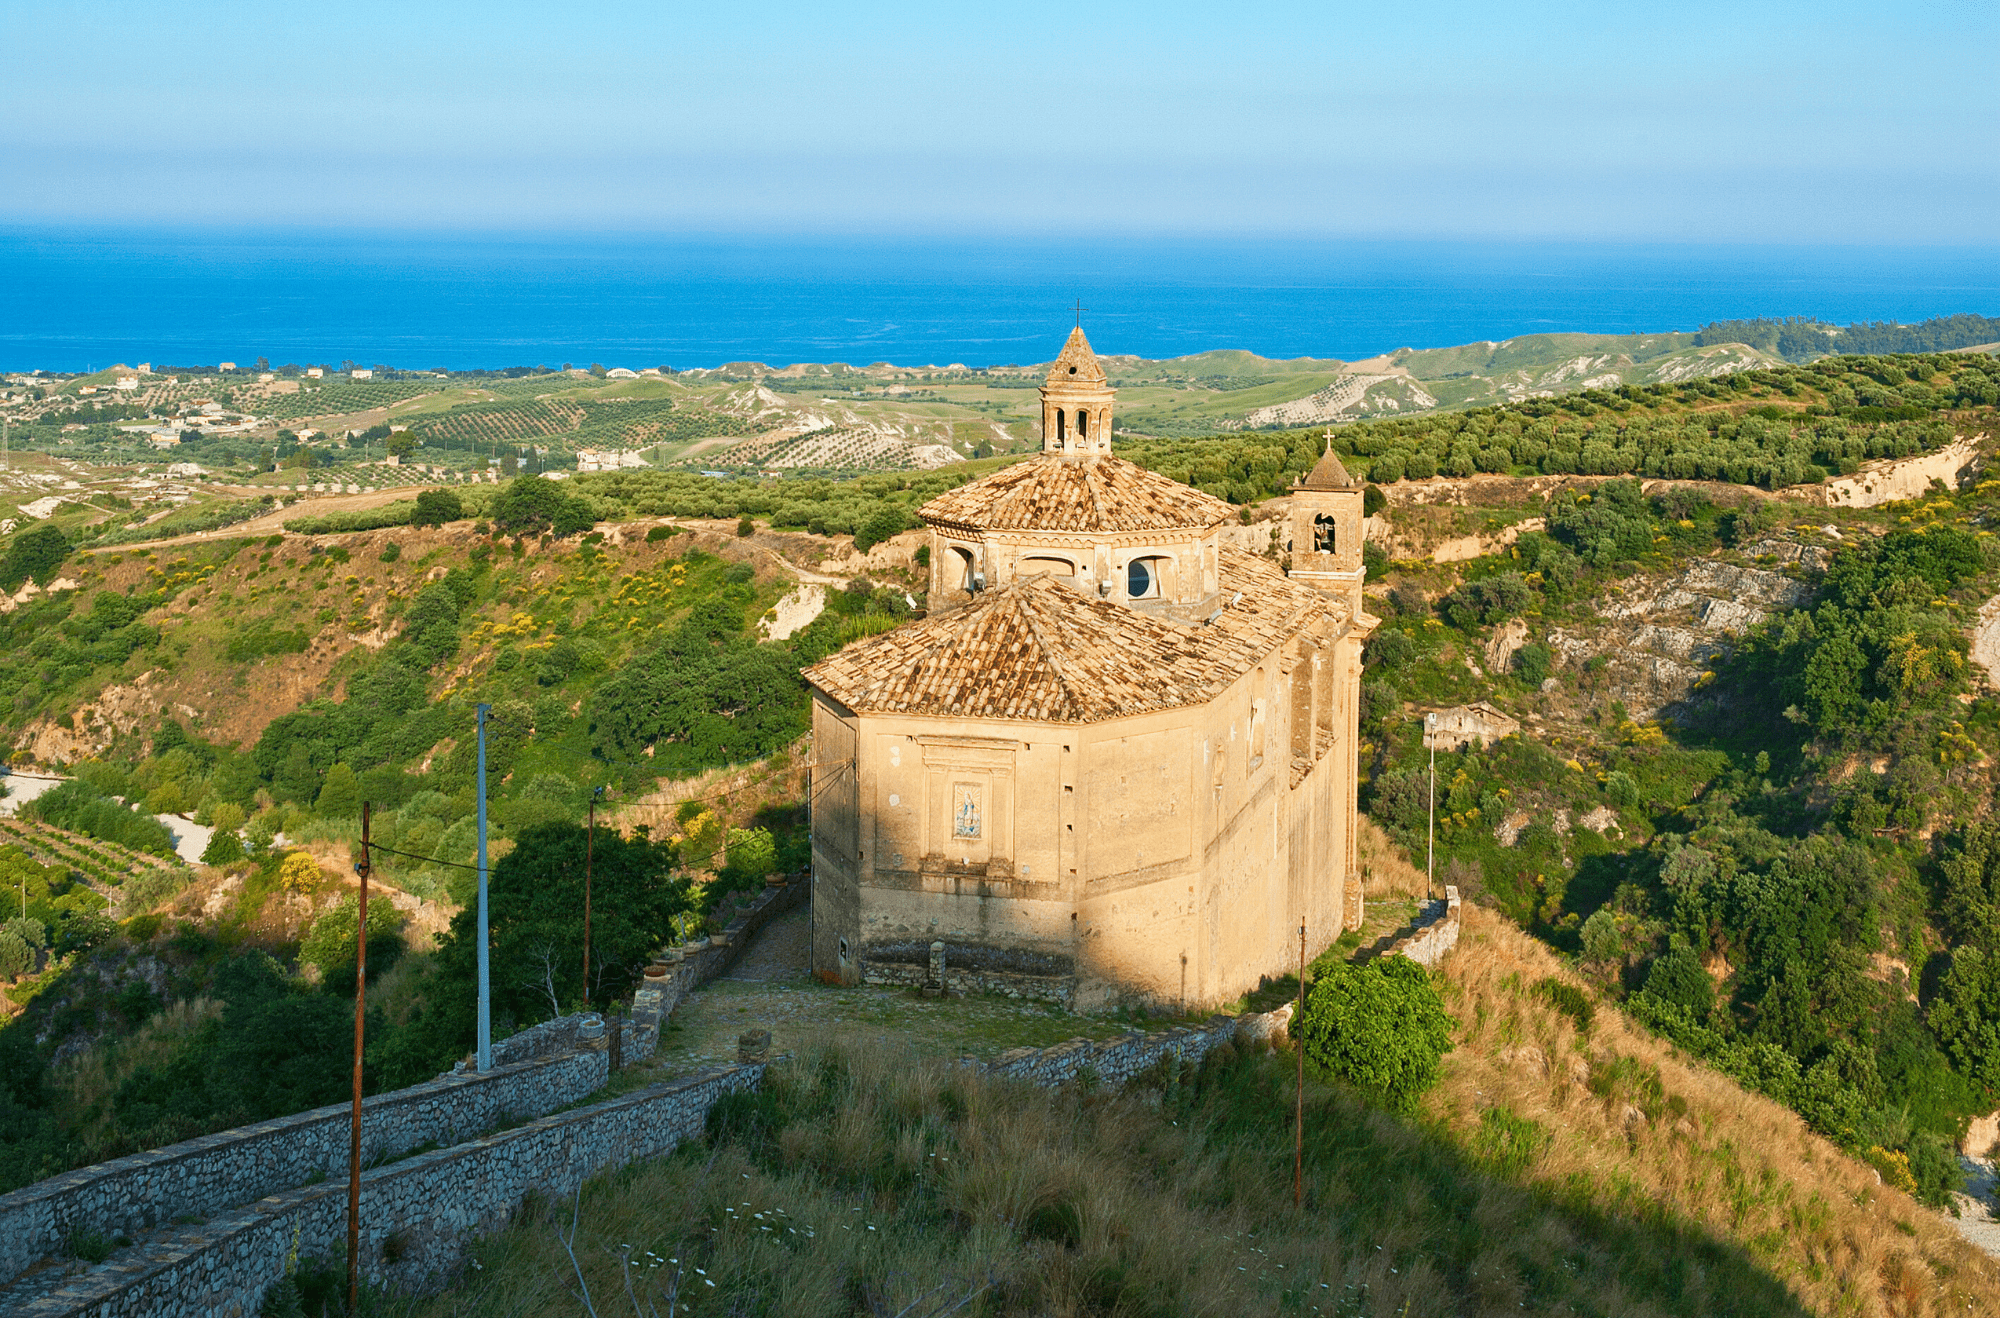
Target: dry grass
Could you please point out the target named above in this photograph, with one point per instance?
(1647, 1132)
(1386, 871)
(883, 1185)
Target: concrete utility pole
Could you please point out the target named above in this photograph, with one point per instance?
(485, 995)
(354, 1125)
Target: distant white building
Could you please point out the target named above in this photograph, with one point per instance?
(361, 375)
(592, 459)
(226, 366)
(266, 377)
(145, 368)
(126, 382)
(620, 373)
(315, 373)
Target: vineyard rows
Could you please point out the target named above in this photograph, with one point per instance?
(634, 423)
(105, 863)
(338, 397)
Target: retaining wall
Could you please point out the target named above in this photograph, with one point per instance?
(431, 1205)
(1007, 983)
(656, 998)
(1115, 1062)
(1428, 945)
(210, 1173)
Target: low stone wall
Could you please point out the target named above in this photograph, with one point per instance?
(1058, 989)
(656, 998)
(1428, 945)
(1114, 1062)
(205, 1175)
(430, 1205)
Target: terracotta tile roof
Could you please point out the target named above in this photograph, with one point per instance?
(1049, 492)
(1039, 651)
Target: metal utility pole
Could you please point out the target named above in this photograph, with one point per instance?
(485, 995)
(1430, 846)
(1299, 1112)
(354, 1131)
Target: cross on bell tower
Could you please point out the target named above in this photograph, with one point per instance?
(1076, 399)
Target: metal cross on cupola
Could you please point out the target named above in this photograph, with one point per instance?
(1080, 309)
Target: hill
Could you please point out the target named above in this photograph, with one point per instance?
(1557, 1168)
(1745, 791)
(296, 428)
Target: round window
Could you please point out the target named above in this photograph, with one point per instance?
(1138, 579)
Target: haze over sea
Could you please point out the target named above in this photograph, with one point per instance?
(73, 298)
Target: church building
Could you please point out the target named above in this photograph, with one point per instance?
(1117, 753)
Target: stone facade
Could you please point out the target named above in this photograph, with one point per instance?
(1116, 743)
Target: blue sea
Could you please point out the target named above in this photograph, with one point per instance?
(72, 299)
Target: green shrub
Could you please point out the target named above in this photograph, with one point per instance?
(1568, 999)
(224, 848)
(436, 507)
(16, 957)
(1380, 1026)
(34, 555)
(660, 533)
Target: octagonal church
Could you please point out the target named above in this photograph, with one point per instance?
(1118, 754)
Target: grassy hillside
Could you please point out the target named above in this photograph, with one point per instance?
(1554, 1169)
(838, 419)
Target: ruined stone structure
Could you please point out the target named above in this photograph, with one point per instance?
(1117, 753)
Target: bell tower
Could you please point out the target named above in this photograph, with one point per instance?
(1076, 402)
(1326, 531)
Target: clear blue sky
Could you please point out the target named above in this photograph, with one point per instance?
(1829, 122)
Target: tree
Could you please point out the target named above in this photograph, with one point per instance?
(401, 444)
(535, 906)
(16, 957)
(751, 852)
(1380, 1026)
(34, 555)
(224, 848)
(533, 504)
(745, 527)
(436, 507)
(1678, 978)
(1965, 1013)
(885, 522)
(340, 797)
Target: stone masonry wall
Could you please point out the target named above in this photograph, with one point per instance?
(544, 1067)
(205, 1175)
(1006, 983)
(431, 1204)
(1114, 1062)
(1427, 946)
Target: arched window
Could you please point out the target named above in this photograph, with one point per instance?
(1062, 426)
(963, 558)
(1326, 538)
(1060, 567)
(1082, 424)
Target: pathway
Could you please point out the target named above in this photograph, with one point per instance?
(771, 987)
